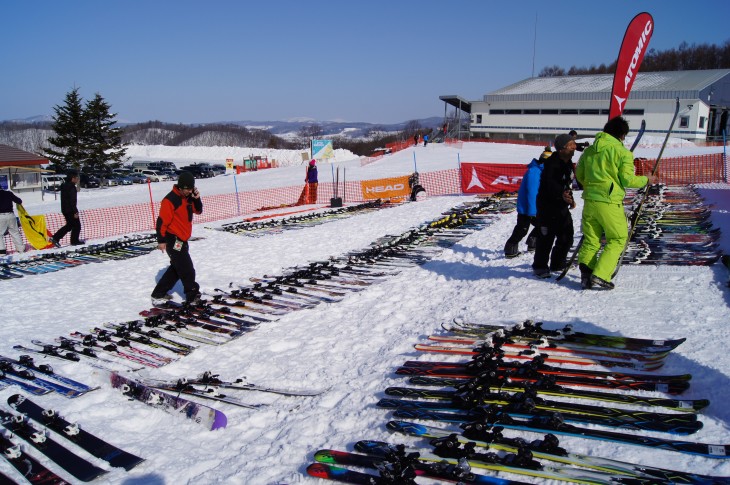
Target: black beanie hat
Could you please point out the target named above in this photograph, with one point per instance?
(185, 181)
(561, 141)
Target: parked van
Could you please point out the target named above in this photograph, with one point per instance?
(52, 182)
(152, 175)
(140, 165)
(162, 166)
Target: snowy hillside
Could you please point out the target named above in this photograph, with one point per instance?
(350, 349)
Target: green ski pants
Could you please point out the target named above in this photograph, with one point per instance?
(603, 218)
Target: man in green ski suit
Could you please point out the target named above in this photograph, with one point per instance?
(605, 170)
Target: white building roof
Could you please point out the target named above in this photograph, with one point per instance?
(649, 85)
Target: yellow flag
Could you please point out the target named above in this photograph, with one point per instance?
(34, 228)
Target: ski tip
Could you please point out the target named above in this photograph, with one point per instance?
(220, 421)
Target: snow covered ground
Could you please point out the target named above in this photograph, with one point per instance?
(351, 348)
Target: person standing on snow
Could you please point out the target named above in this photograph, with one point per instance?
(554, 202)
(8, 222)
(174, 227)
(526, 207)
(311, 180)
(605, 170)
(69, 210)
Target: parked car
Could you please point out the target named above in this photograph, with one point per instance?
(106, 179)
(52, 182)
(137, 178)
(199, 171)
(89, 181)
(153, 176)
(121, 179)
(218, 168)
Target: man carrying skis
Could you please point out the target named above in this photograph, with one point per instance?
(554, 202)
(605, 170)
(174, 227)
(526, 207)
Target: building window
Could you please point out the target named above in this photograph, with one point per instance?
(568, 111)
(513, 111)
(479, 119)
(496, 111)
(589, 111)
(531, 111)
(639, 112)
(684, 122)
(702, 122)
(548, 111)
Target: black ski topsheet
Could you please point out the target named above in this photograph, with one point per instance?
(553, 424)
(75, 465)
(31, 469)
(97, 447)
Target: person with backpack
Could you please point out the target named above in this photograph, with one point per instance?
(526, 207)
(174, 227)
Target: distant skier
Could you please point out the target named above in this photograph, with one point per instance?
(527, 207)
(174, 227)
(415, 140)
(578, 146)
(425, 140)
(311, 180)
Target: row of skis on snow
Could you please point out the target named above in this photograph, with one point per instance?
(673, 228)
(164, 334)
(49, 262)
(518, 378)
(266, 225)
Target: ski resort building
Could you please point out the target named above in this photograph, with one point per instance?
(20, 170)
(541, 107)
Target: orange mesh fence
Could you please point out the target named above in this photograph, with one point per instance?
(113, 221)
(696, 169)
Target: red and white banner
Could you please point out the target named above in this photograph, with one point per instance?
(489, 178)
(633, 48)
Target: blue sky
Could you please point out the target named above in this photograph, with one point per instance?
(376, 61)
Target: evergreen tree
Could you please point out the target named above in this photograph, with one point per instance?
(70, 126)
(104, 140)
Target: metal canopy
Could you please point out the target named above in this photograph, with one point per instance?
(457, 102)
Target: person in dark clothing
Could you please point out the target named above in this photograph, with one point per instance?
(312, 182)
(554, 202)
(174, 227)
(70, 212)
(415, 139)
(526, 207)
(578, 146)
(8, 222)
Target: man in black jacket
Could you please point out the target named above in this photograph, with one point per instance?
(554, 202)
(70, 212)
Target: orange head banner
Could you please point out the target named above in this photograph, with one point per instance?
(490, 178)
(385, 188)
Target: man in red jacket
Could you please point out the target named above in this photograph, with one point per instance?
(174, 227)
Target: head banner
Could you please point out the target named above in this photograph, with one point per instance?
(633, 48)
